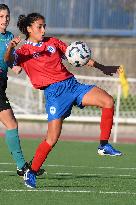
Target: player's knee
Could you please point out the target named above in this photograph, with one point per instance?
(12, 125)
(52, 139)
(109, 102)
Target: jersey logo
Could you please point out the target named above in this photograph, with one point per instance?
(52, 110)
(51, 49)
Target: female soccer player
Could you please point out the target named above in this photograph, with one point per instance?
(41, 58)
(6, 113)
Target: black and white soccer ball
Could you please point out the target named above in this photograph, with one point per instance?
(78, 53)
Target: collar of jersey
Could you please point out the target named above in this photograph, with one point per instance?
(3, 34)
(34, 44)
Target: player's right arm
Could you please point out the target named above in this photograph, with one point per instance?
(9, 57)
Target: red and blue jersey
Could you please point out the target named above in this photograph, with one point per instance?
(43, 61)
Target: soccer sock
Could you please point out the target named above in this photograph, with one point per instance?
(106, 124)
(13, 143)
(41, 154)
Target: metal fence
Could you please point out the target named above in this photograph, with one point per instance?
(28, 103)
(80, 17)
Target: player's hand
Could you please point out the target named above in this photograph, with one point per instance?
(17, 69)
(14, 42)
(110, 70)
(90, 63)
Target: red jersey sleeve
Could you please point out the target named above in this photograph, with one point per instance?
(61, 45)
(20, 56)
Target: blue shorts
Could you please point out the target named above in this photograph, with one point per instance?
(61, 96)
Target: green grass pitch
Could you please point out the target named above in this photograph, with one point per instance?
(76, 175)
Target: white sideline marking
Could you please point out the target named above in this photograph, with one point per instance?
(74, 166)
(125, 168)
(68, 191)
(57, 165)
(6, 163)
(116, 175)
(72, 174)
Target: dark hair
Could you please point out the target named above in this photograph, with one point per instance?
(4, 7)
(25, 21)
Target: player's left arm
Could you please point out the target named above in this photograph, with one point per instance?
(15, 68)
(107, 70)
(9, 57)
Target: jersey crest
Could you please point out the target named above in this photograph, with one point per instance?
(51, 49)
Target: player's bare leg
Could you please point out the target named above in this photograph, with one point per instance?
(8, 119)
(102, 99)
(12, 138)
(53, 133)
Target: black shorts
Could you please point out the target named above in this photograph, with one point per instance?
(4, 102)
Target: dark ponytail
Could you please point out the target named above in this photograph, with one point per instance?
(21, 24)
(25, 21)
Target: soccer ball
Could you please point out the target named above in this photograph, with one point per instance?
(78, 53)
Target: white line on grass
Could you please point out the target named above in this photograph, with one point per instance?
(72, 174)
(74, 166)
(1, 171)
(88, 174)
(61, 165)
(120, 168)
(6, 163)
(125, 168)
(70, 191)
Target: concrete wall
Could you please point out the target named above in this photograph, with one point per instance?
(73, 130)
(109, 51)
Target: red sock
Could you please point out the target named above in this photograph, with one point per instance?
(41, 153)
(106, 123)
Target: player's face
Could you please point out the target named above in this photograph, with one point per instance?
(4, 20)
(37, 30)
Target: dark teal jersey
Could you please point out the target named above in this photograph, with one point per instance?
(4, 41)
